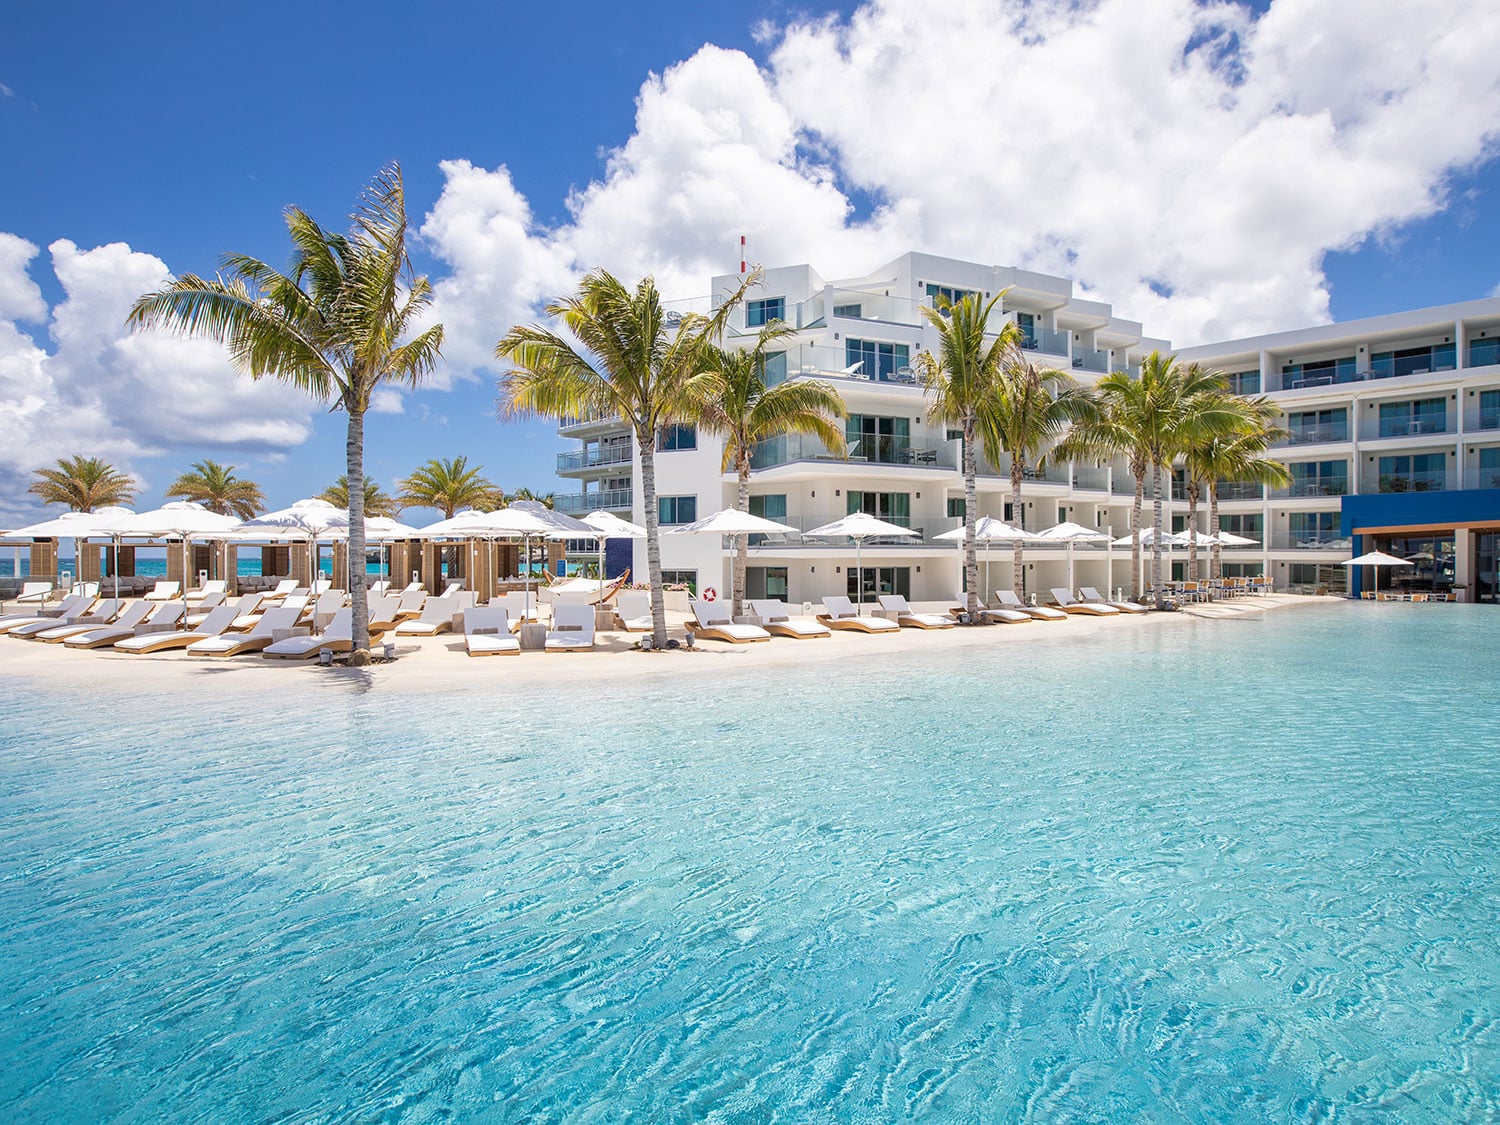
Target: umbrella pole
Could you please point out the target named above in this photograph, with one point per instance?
(859, 574)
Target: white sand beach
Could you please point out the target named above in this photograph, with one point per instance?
(441, 664)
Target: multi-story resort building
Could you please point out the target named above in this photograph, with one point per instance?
(1393, 423)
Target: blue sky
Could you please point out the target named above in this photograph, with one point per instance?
(1294, 158)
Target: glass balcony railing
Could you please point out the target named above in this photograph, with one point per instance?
(1241, 490)
(580, 459)
(866, 449)
(1091, 479)
(1046, 340)
(1316, 435)
(1482, 478)
(609, 500)
(1484, 418)
(860, 304)
(1052, 474)
(1313, 486)
(1316, 539)
(1412, 425)
(1438, 480)
(1087, 359)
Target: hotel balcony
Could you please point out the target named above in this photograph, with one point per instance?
(864, 450)
(925, 528)
(1481, 419)
(1315, 435)
(1045, 340)
(1318, 540)
(1481, 478)
(1437, 480)
(585, 460)
(1433, 425)
(1059, 475)
(1087, 359)
(1240, 490)
(609, 500)
(580, 424)
(1313, 486)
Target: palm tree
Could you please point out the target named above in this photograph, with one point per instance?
(1029, 411)
(545, 499)
(217, 488)
(83, 484)
(378, 502)
(1238, 456)
(631, 368)
(332, 326)
(731, 399)
(448, 486)
(961, 382)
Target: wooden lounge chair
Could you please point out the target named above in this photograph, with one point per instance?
(910, 618)
(990, 616)
(1090, 596)
(338, 638)
(68, 610)
(384, 611)
(162, 618)
(572, 629)
(841, 614)
(34, 593)
(165, 591)
(776, 619)
(633, 610)
(105, 613)
(1069, 604)
(712, 621)
(1009, 600)
(277, 619)
(487, 632)
(214, 586)
(211, 626)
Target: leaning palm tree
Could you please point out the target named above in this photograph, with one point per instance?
(731, 399)
(1238, 457)
(83, 484)
(217, 488)
(961, 382)
(332, 326)
(631, 367)
(1029, 411)
(378, 502)
(448, 485)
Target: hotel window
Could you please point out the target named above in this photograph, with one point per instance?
(878, 439)
(1417, 472)
(771, 507)
(677, 436)
(1489, 467)
(893, 507)
(878, 580)
(1250, 525)
(955, 507)
(1244, 382)
(1484, 352)
(1307, 426)
(938, 294)
(1424, 416)
(1313, 529)
(1489, 410)
(766, 582)
(1319, 478)
(688, 578)
(1026, 322)
(877, 359)
(853, 311)
(774, 372)
(762, 312)
(1413, 361)
(676, 509)
(1318, 373)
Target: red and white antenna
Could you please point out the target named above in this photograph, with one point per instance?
(743, 268)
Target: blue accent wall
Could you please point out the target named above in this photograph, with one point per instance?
(1408, 509)
(618, 554)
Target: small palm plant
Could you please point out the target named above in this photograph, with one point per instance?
(217, 488)
(378, 502)
(83, 484)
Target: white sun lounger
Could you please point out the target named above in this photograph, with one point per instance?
(572, 629)
(1069, 604)
(905, 615)
(1088, 594)
(105, 613)
(384, 610)
(1008, 600)
(72, 609)
(34, 592)
(338, 638)
(487, 632)
(161, 620)
(378, 589)
(411, 603)
(633, 609)
(283, 588)
(211, 626)
(165, 591)
(212, 594)
(777, 619)
(437, 617)
(714, 622)
(993, 616)
(277, 619)
(841, 614)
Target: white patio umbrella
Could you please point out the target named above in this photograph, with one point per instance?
(381, 530)
(989, 530)
(1148, 537)
(305, 521)
(181, 519)
(1376, 559)
(607, 525)
(1070, 533)
(859, 526)
(731, 521)
(78, 526)
(1230, 539)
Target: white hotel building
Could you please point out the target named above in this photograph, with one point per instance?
(1391, 421)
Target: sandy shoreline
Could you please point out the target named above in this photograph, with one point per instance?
(441, 664)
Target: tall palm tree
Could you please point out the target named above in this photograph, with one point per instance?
(731, 399)
(1238, 457)
(217, 488)
(1029, 411)
(961, 381)
(332, 326)
(83, 484)
(1111, 431)
(545, 499)
(378, 502)
(448, 485)
(631, 367)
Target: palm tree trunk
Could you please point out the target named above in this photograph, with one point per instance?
(1192, 526)
(354, 452)
(1156, 514)
(971, 514)
(1135, 532)
(1215, 560)
(1017, 470)
(741, 542)
(645, 437)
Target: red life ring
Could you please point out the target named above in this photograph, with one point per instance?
(710, 594)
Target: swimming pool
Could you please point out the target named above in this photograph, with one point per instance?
(1217, 870)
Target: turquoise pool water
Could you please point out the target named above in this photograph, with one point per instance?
(1215, 871)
